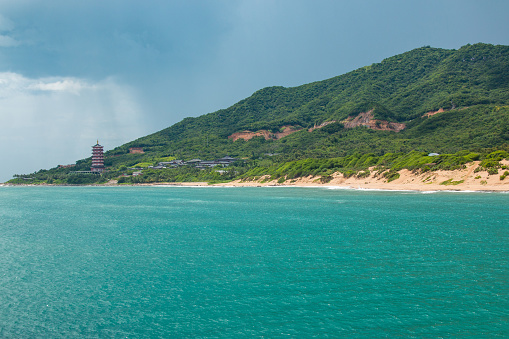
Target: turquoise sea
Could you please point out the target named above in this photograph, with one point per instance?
(176, 262)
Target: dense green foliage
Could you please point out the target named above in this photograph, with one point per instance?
(471, 84)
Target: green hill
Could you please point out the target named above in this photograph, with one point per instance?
(401, 88)
(376, 109)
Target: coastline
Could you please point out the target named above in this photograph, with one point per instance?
(462, 180)
(458, 180)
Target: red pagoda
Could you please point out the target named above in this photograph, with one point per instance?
(97, 158)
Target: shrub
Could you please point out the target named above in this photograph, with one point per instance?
(267, 179)
(491, 165)
(451, 182)
(473, 156)
(391, 175)
(363, 174)
(348, 174)
(487, 163)
(325, 179)
(498, 155)
(506, 173)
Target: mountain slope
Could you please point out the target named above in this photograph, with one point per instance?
(400, 89)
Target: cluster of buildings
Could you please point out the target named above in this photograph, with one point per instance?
(197, 163)
(98, 160)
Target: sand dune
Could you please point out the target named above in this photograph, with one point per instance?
(459, 180)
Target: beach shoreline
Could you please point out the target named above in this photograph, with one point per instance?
(234, 184)
(463, 180)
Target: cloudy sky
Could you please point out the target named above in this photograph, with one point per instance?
(74, 71)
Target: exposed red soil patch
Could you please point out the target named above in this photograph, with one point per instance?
(363, 119)
(246, 135)
(432, 113)
(367, 119)
(286, 130)
(321, 125)
(441, 110)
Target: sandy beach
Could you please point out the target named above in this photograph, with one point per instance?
(458, 180)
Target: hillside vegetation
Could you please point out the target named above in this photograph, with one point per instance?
(469, 88)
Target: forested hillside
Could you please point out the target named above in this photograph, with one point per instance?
(473, 80)
(444, 101)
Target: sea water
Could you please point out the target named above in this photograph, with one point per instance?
(159, 262)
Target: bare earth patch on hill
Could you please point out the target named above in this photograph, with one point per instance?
(246, 135)
(321, 125)
(363, 119)
(368, 120)
(432, 113)
(441, 110)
